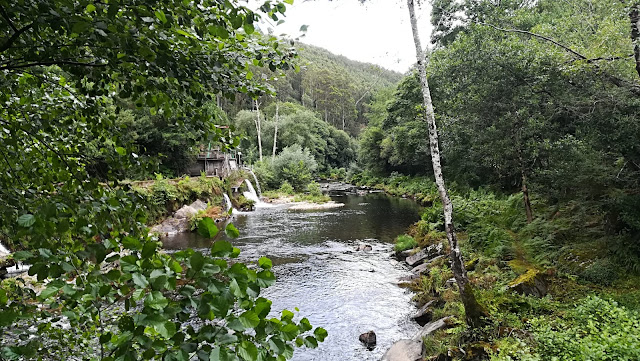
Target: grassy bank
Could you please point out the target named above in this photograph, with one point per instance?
(590, 310)
(313, 194)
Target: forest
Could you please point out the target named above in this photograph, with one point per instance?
(528, 109)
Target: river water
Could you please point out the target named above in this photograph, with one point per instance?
(342, 290)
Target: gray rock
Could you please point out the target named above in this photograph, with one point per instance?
(422, 268)
(424, 314)
(369, 340)
(364, 248)
(404, 350)
(426, 253)
(405, 281)
(432, 327)
(185, 212)
(450, 282)
(198, 205)
(401, 256)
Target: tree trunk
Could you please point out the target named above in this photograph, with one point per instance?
(525, 189)
(473, 311)
(275, 133)
(258, 128)
(634, 18)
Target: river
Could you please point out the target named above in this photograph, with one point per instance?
(347, 292)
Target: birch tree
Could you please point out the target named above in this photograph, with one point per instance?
(258, 125)
(473, 311)
(275, 132)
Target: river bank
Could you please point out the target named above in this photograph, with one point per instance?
(525, 281)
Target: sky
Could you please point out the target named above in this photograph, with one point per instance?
(378, 32)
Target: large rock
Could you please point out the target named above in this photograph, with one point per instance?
(532, 283)
(171, 226)
(199, 205)
(432, 327)
(404, 350)
(185, 212)
(422, 268)
(424, 314)
(369, 340)
(407, 281)
(424, 254)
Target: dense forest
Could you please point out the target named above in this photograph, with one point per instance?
(529, 110)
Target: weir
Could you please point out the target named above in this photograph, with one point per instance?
(256, 180)
(227, 202)
(251, 193)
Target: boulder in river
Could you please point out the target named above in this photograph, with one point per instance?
(404, 350)
(364, 247)
(369, 340)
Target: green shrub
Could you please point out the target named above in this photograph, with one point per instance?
(286, 188)
(314, 189)
(596, 329)
(601, 272)
(404, 242)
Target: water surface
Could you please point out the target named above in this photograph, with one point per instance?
(317, 269)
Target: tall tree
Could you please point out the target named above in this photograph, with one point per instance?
(474, 313)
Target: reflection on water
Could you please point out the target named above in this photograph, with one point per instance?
(318, 271)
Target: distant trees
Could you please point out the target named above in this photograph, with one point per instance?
(330, 147)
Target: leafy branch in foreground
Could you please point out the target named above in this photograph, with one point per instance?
(128, 301)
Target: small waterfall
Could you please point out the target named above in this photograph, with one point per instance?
(227, 203)
(251, 193)
(3, 250)
(257, 183)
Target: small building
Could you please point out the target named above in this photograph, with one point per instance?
(214, 162)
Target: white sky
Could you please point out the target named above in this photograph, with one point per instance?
(377, 32)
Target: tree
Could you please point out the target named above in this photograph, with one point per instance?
(474, 313)
(61, 63)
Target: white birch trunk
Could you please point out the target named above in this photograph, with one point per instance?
(275, 132)
(258, 128)
(474, 312)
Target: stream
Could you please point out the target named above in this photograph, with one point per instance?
(347, 292)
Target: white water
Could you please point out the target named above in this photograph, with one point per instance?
(251, 193)
(3, 250)
(227, 202)
(257, 183)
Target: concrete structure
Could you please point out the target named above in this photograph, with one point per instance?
(214, 162)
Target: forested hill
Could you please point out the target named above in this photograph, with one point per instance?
(337, 88)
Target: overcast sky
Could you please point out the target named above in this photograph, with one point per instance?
(378, 32)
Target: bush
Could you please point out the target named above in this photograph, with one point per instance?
(286, 188)
(404, 242)
(601, 272)
(596, 329)
(295, 166)
(314, 189)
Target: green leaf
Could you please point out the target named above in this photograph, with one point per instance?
(221, 249)
(91, 8)
(290, 2)
(3, 297)
(320, 333)
(156, 300)
(290, 331)
(197, 261)
(189, 35)
(219, 354)
(249, 319)
(265, 263)
(160, 15)
(248, 351)
(121, 150)
(22, 255)
(248, 28)
(140, 280)
(310, 342)
(26, 220)
(166, 329)
(207, 227)
(231, 231)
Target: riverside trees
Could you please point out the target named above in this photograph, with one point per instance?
(61, 65)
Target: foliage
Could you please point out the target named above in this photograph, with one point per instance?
(330, 147)
(286, 188)
(72, 69)
(404, 242)
(601, 272)
(293, 165)
(596, 330)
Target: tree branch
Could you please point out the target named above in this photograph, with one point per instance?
(52, 62)
(14, 37)
(575, 53)
(6, 17)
